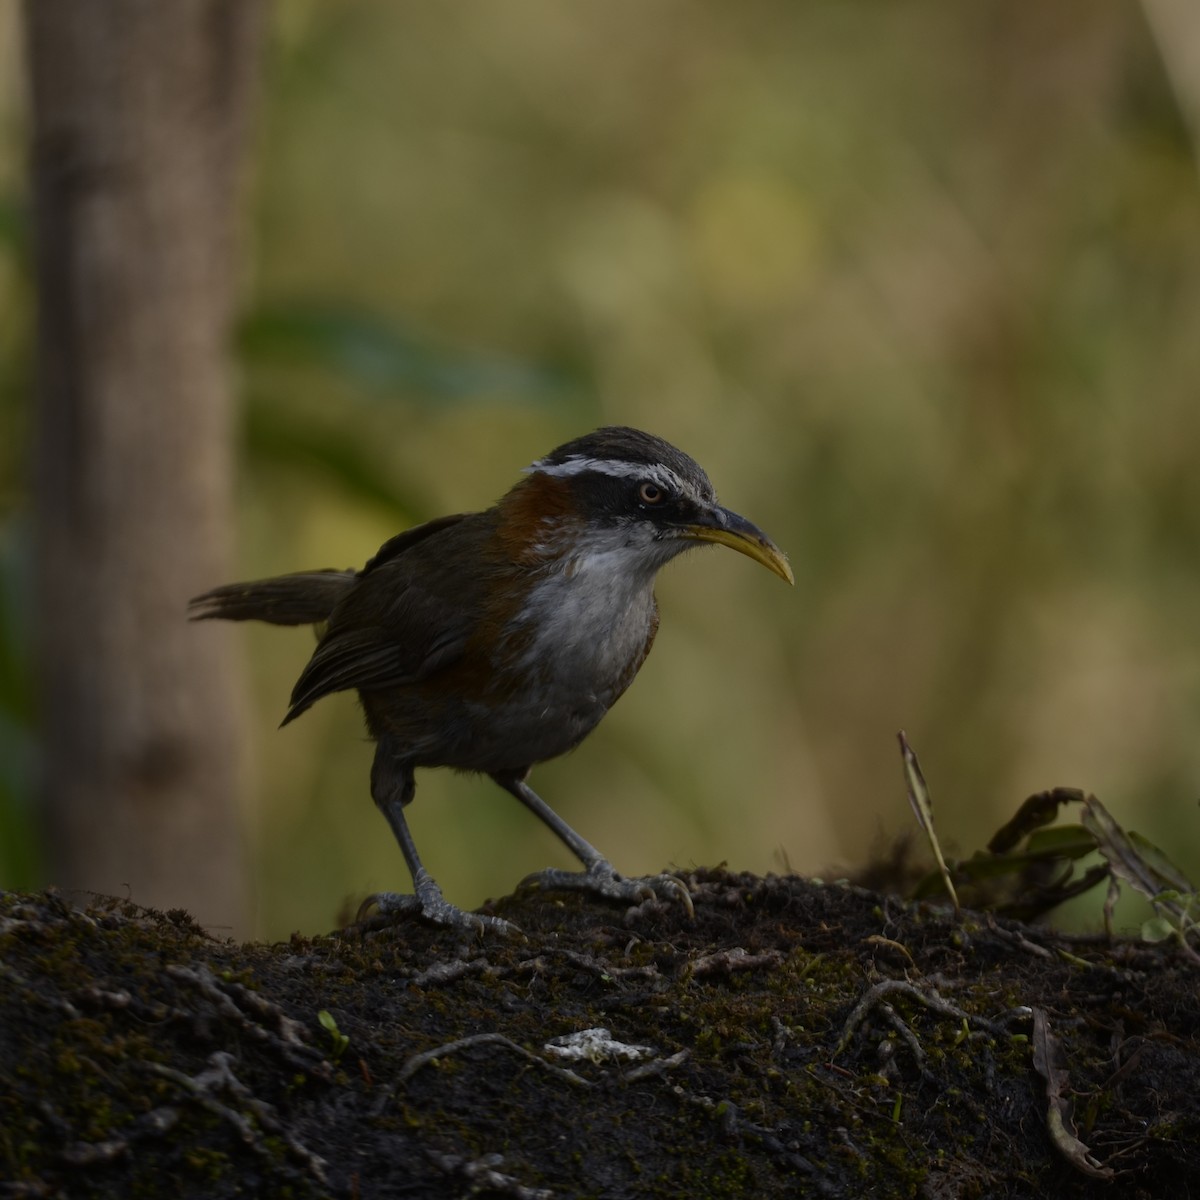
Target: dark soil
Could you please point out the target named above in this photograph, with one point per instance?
(796, 1040)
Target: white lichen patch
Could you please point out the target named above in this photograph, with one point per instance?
(596, 1045)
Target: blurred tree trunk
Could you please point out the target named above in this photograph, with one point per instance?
(139, 111)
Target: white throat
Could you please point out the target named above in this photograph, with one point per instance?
(593, 607)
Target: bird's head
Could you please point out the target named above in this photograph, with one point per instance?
(628, 498)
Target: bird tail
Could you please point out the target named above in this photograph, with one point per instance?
(306, 598)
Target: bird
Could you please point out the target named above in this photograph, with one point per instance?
(492, 641)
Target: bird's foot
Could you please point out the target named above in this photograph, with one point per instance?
(601, 879)
(430, 905)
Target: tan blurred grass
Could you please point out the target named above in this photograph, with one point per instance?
(917, 283)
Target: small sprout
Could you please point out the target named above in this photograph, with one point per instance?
(1176, 918)
(897, 1107)
(336, 1036)
(1073, 959)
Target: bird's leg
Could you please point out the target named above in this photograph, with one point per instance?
(393, 787)
(599, 875)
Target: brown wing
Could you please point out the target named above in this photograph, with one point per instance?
(397, 545)
(408, 615)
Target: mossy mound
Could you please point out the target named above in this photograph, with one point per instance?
(791, 1039)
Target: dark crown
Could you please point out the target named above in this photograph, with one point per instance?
(608, 450)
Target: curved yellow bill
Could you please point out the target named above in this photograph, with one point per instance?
(726, 528)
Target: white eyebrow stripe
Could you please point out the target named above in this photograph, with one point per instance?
(615, 467)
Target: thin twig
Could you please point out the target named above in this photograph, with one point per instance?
(417, 1061)
(926, 996)
(220, 1078)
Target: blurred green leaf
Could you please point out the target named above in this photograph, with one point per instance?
(276, 434)
(1063, 841)
(385, 358)
(1157, 929)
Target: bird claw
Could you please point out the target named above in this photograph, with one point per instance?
(601, 879)
(434, 908)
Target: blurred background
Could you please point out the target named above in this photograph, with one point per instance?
(917, 283)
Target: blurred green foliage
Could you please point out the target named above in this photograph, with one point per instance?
(917, 283)
(380, 357)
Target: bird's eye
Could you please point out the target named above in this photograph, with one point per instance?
(651, 493)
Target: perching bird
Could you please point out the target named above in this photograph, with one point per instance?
(496, 640)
